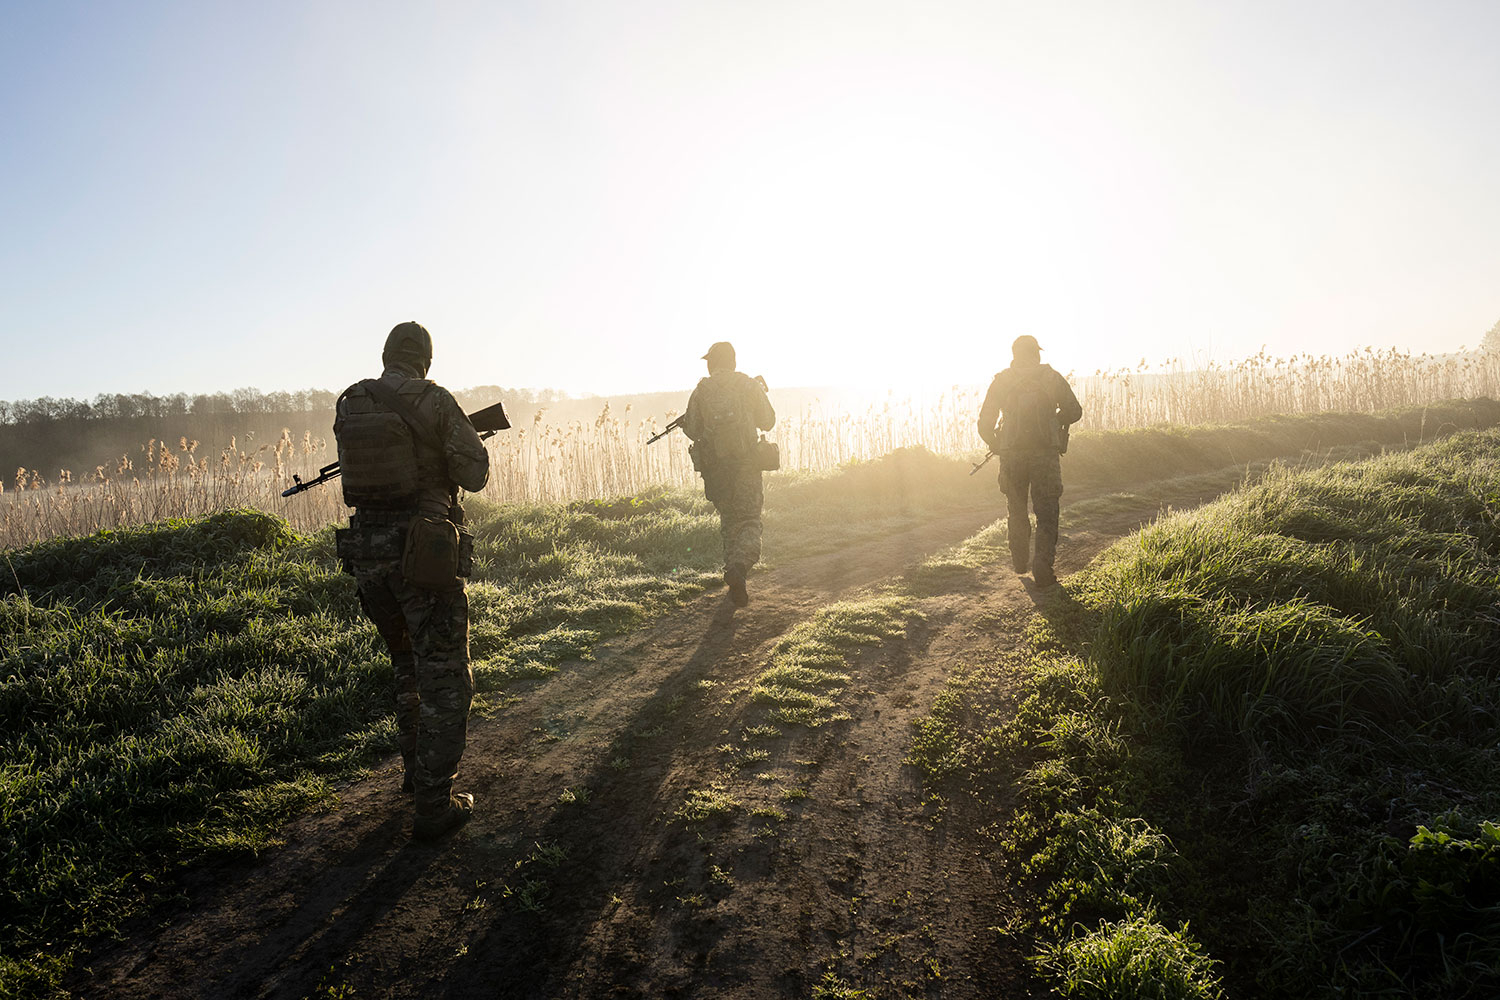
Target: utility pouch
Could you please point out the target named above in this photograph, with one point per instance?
(767, 455)
(695, 452)
(430, 559)
(1062, 440)
(465, 552)
(368, 543)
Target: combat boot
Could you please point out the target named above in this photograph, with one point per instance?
(430, 826)
(735, 577)
(1044, 577)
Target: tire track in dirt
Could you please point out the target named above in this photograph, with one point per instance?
(350, 900)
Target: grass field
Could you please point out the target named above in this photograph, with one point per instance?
(178, 690)
(1257, 754)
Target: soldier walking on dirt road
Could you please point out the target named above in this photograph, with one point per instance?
(1033, 407)
(405, 450)
(722, 417)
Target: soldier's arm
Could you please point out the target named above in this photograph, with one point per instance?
(1069, 410)
(692, 419)
(468, 461)
(338, 413)
(989, 413)
(765, 413)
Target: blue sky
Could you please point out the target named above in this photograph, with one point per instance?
(583, 196)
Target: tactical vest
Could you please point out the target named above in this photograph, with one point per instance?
(378, 454)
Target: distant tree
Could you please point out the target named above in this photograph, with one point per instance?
(1491, 341)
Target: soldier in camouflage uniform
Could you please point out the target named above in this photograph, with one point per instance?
(405, 450)
(721, 419)
(1037, 406)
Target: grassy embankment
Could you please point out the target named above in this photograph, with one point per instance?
(177, 691)
(1256, 750)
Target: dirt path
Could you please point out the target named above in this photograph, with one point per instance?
(575, 880)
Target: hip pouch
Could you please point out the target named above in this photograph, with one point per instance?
(431, 557)
(767, 455)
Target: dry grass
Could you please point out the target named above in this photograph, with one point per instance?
(608, 456)
(164, 481)
(1366, 381)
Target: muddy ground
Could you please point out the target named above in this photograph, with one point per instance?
(576, 878)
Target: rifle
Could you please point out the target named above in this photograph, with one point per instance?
(486, 421)
(980, 465)
(678, 422)
(666, 430)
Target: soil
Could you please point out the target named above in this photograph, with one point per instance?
(576, 877)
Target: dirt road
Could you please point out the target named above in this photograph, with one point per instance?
(579, 878)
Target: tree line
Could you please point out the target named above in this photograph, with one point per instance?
(131, 406)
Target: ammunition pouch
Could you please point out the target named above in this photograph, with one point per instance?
(370, 539)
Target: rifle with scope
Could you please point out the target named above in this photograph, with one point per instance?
(486, 421)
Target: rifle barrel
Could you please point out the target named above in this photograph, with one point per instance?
(666, 430)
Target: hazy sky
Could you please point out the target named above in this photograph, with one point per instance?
(200, 196)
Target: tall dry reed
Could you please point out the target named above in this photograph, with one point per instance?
(608, 456)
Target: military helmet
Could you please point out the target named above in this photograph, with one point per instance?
(409, 341)
(721, 355)
(1025, 346)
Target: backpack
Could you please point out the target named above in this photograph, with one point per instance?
(728, 424)
(1031, 416)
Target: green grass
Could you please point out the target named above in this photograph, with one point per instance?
(166, 692)
(1136, 958)
(178, 691)
(807, 671)
(703, 804)
(1255, 749)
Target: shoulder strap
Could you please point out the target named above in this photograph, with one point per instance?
(392, 399)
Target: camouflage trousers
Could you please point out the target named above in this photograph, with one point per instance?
(1038, 472)
(738, 496)
(427, 633)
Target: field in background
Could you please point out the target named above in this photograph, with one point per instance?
(544, 461)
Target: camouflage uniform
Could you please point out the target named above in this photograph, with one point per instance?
(426, 630)
(734, 488)
(1030, 458)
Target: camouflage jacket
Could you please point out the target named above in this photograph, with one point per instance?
(1047, 401)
